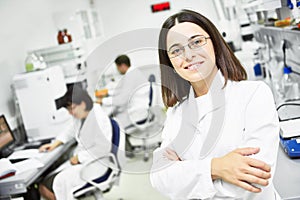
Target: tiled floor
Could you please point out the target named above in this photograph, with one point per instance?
(134, 183)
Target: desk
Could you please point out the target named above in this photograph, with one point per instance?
(287, 176)
(18, 184)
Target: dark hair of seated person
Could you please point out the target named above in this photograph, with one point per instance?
(76, 95)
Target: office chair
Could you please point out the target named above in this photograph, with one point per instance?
(147, 128)
(104, 183)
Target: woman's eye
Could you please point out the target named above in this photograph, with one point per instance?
(175, 51)
(197, 42)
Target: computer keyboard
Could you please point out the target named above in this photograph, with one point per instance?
(34, 144)
(17, 160)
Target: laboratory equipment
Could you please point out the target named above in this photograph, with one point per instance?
(37, 93)
(70, 57)
(289, 85)
(290, 128)
(34, 62)
(290, 137)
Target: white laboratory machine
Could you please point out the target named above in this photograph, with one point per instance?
(36, 94)
(70, 57)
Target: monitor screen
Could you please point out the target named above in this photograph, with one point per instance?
(6, 135)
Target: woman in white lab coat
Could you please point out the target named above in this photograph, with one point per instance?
(220, 138)
(92, 131)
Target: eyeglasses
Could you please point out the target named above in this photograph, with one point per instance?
(194, 43)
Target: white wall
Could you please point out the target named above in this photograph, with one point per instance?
(120, 16)
(29, 25)
(25, 25)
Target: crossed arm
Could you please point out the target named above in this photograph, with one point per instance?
(236, 168)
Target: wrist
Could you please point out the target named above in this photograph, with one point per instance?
(56, 143)
(214, 168)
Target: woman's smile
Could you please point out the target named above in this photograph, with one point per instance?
(194, 66)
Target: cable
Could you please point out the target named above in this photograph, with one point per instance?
(296, 72)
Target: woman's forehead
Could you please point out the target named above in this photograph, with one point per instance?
(183, 31)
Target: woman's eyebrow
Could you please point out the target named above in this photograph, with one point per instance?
(196, 36)
(176, 44)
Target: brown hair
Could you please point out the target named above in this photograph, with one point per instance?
(175, 88)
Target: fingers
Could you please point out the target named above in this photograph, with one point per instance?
(254, 180)
(171, 155)
(251, 161)
(258, 164)
(248, 186)
(247, 151)
(74, 160)
(44, 148)
(258, 173)
(243, 171)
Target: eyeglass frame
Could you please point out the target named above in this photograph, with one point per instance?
(183, 46)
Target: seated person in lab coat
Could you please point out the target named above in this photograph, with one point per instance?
(220, 138)
(92, 131)
(130, 98)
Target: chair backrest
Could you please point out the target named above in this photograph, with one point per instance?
(115, 139)
(141, 122)
(104, 177)
(151, 80)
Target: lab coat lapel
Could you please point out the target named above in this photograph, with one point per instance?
(83, 126)
(186, 133)
(216, 108)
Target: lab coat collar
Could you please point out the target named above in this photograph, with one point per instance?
(214, 99)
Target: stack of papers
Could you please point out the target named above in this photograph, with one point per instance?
(27, 153)
(7, 169)
(28, 164)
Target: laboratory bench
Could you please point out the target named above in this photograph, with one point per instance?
(19, 183)
(287, 176)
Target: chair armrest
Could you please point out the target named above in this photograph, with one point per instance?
(112, 165)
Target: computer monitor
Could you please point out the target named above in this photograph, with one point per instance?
(6, 137)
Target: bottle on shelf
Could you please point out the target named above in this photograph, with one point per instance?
(34, 62)
(60, 37)
(66, 36)
(63, 36)
(289, 85)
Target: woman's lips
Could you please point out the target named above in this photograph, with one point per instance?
(194, 66)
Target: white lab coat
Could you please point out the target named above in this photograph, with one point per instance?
(243, 114)
(94, 141)
(130, 98)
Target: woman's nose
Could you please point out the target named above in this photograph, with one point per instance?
(189, 54)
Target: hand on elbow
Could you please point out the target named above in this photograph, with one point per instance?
(239, 169)
(74, 160)
(171, 155)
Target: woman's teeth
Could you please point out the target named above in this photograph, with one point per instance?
(194, 67)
